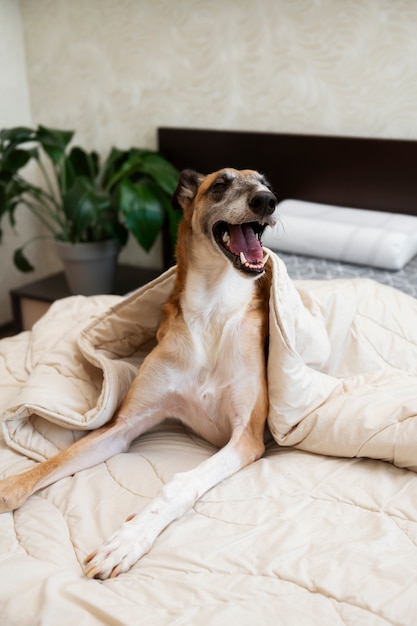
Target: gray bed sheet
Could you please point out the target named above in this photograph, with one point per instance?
(306, 267)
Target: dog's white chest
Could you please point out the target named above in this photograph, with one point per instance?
(218, 388)
(214, 361)
(217, 384)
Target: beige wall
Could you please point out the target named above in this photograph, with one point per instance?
(14, 109)
(116, 69)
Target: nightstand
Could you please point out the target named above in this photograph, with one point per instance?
(31, 301)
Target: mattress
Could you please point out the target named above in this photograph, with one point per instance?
(297, 538)
(312, 268)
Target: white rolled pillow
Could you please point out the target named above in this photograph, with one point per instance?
(375, 238)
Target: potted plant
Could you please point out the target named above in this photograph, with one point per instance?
(85, 203)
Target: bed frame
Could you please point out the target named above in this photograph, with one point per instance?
(374, 174)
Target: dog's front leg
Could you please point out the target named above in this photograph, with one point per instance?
(96, 447)
(133, 418)
(136, 536)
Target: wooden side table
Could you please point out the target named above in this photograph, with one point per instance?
(31, 301)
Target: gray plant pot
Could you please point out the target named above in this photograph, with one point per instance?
(90, 268)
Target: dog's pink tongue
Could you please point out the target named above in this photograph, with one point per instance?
(243, 239)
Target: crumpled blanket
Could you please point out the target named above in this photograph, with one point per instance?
(342, 367)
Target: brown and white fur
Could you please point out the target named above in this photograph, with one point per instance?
(208, 368)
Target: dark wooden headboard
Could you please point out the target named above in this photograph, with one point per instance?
(375, 174)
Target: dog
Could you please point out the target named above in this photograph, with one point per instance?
(208, 368)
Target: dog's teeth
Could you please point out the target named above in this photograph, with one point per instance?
(264, 260)
(243, 259)
(226, 237)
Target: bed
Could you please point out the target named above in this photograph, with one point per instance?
(320, 530)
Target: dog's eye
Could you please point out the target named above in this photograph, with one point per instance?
(219, 185)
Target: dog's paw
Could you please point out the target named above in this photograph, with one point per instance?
(117, 554)
(13, 493)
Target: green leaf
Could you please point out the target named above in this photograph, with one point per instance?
(83, 206)
(112, 164)
(18, 134)
(124, 165)
(3, 198)
(118, 231)
(21, 261)
(108, 225)
(78, 164)
(163, 172)
(84, 163)
(142, 210)
(14, 160)
(10, 196)
(54, 142)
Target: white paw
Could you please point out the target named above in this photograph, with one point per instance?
(117, 554)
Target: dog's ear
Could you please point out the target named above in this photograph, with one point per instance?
(188, 184)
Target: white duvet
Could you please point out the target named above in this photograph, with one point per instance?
(296, 538)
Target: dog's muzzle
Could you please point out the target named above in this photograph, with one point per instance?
(241, 243)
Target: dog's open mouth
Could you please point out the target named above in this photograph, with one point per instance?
(241, 243)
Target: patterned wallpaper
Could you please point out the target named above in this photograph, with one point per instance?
(115, 70)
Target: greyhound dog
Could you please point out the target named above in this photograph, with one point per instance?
(208, 368)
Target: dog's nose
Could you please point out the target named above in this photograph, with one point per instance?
(263, 203)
